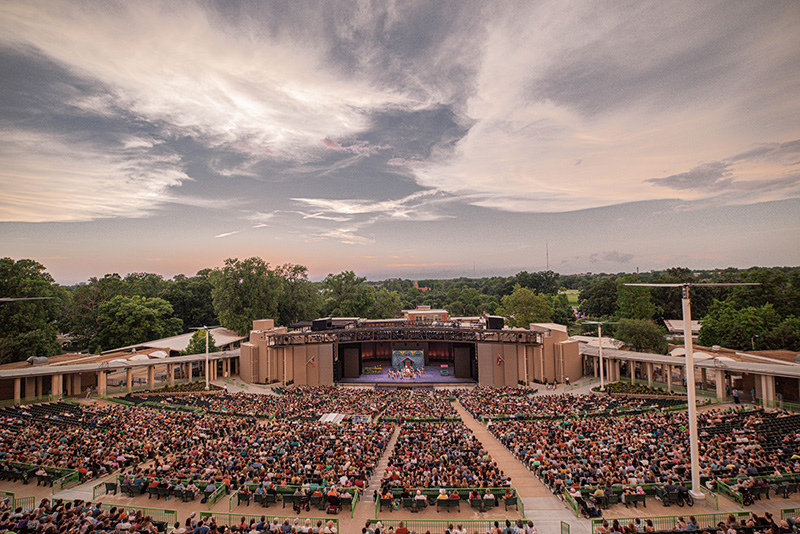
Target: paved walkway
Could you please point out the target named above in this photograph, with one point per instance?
(365, 509)
(541, 506)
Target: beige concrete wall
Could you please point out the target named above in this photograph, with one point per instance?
(325, 364)
(572, 360)
(510, 365)
(486, 364)
(247, 355)
(264, 324)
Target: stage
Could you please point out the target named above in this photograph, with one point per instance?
(431, 376)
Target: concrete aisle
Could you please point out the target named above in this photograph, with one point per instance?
(541, 506)
(365, 509)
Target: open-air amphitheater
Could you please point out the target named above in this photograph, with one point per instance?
(405, 439)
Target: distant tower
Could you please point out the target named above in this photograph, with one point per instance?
(547, 253)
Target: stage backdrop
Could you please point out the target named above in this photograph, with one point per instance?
(416, 356)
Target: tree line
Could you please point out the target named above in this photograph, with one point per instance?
(114, 311)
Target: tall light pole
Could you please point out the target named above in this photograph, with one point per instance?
(600, 345)
(206, 328)
(691, 394)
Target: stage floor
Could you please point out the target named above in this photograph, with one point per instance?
(432, 375)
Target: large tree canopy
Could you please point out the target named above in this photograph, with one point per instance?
(244, 291)
(129, 320)
(28, 328)
(347, 295)
(523, 307)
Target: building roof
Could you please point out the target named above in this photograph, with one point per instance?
(222, 336)
(675, 326)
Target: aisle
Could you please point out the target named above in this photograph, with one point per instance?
(365, 509)
(541, 506)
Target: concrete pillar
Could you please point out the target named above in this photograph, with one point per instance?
(720, 380)
(190, 374)
(702, 378)
(17, 389)
(38, 386)
(171, 373)
(669, 378)
(151, 376)
(129, 379)
(617, 373)
(226, 368)
(768, 388)
(76, 384)
(594, 368)
(57, 385)
(102, 383)
(631, 373)
(649, 374)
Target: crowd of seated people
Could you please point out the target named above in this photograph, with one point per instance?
(305, 401)
(204, 447)
(488, 402)
(128, 436)
(441, 455)
(430, 404)
(644, 449)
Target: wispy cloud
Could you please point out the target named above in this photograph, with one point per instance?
(48, 177)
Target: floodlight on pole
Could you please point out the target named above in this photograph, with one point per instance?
(600, 346)
(206, 328)
(691, 394)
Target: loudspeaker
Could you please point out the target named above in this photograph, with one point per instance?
(320, 325)
(494, 322)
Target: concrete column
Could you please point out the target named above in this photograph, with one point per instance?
(76, 384)
(189, 367)
(57, 385)
(617, 373)
(594, 368)
(129, 379)
(669, 378)
(151, 376)
(768, 387)
(720, 380)
(649, 374)
(226, 368)
(102, 383)
(702, 377)
(171, 373)
(38, 386)
(17, 389)
(631, 372)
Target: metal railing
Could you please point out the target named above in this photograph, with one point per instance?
(667, 522)
(30, 400)
(437, 525)
(231, 519)
(66, 481)
(156, 514)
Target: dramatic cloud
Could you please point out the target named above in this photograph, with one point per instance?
(377, 124)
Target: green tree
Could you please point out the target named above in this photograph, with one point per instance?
(144, 285)
(81, 319)
(523, 307)
(634, 302)
(28, 328)
(738, 329)
(562, 311)
(387, 304)
(191, 298)
(347, 295)
(642, 335)
(300, 299)
(129, 320)
(244, 291)
(197, 344)
(599, 299)
(784, 336)
(545, 282)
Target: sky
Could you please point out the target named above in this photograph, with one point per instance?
(399, 139)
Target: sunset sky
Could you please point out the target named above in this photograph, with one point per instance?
(399, 139)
